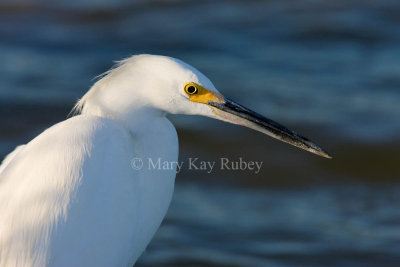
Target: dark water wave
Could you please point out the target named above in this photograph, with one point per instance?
(335, 226)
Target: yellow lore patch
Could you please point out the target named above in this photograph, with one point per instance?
(198, 93)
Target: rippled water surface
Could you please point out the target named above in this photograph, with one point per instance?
(335, 226)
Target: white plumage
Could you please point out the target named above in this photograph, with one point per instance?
(70, 196)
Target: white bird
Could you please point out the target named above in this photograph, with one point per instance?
(70, 197)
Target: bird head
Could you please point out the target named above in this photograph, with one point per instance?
(164, 85)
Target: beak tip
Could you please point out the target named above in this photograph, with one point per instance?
(324, 154)
(327, 156)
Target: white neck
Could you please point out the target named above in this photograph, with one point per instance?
(152, 131)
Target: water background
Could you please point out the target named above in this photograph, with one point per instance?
(330, 70)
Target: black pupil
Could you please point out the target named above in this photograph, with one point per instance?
(191, 89)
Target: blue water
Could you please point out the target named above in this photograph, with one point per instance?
(335, 226)
(330, 68)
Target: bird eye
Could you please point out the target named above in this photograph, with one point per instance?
(191, 89)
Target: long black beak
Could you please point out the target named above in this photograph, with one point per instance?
(235, 113)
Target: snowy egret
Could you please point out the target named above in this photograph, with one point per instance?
(70, 197)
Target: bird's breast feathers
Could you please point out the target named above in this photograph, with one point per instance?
(71, 192)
